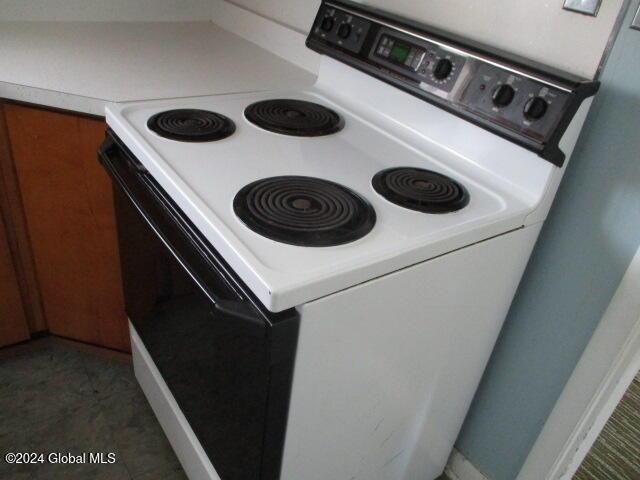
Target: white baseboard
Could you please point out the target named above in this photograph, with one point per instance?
(459, 468)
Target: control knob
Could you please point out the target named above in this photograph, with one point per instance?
(503, 95)
(344, 31)
(327, 24)
(535, 108)
(443, 69)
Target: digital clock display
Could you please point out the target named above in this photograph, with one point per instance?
(399, 52)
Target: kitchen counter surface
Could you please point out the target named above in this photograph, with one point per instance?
(81, 66)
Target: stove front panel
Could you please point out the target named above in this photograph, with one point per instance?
(386, 370)
(227, 364)
(218, 373)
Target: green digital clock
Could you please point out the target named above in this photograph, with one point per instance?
(399, 52)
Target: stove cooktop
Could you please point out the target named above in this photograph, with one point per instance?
(369, 216)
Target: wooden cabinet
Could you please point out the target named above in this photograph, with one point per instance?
(67, 202)
(13, 322)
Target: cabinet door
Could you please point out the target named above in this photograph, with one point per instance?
(13, 323)
(69, 213)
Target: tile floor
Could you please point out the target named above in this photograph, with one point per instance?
(64, 397)
(60, 396)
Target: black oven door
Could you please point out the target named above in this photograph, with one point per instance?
(227, 361)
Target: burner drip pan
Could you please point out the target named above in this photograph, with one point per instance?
(191, 125)
(421, 190)
(304, 211)
(294, 117)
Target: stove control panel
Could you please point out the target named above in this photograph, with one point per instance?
(526, 103)
(514, 101)
(423, 61)
(342, 29)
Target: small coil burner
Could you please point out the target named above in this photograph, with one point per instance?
(421, 190)
(304, 211)
(294, 117)
(191, 125)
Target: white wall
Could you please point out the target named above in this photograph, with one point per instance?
(537, 29)
(297, 14)
(104, 10)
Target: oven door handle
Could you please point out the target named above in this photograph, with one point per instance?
(115, 160)
(239, 310)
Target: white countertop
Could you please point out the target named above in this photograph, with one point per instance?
(81, 66)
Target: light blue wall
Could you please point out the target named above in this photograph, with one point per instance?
(585, 247)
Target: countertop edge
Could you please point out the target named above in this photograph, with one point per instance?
(53, 99)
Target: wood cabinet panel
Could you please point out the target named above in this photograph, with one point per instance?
(17, 235)
(13, 323)
(69, 213)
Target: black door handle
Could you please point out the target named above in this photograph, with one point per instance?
(175, 234)
(240, 310)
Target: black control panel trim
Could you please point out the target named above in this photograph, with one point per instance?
(574, 88)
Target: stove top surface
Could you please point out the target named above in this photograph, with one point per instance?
(211, 180)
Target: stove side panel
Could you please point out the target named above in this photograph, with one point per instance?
(386, 370)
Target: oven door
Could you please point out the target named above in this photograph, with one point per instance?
(227, 362)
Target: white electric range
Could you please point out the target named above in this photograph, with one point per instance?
(316, 278)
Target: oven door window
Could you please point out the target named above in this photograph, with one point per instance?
(216, 366)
